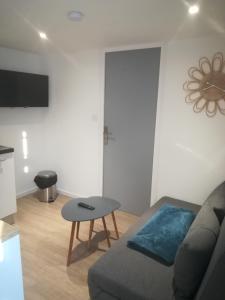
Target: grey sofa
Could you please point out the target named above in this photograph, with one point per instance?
(197, 274)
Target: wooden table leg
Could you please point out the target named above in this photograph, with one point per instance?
(71, 243)
(78, 228)
(115, 225)
(106, 231)
(90, 232)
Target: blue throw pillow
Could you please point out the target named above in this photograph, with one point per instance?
(163, 233)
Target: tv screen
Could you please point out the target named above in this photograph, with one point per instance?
(19, 89)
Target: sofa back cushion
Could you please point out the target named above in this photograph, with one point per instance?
(194, 253)
(216, 200)
(213, 284)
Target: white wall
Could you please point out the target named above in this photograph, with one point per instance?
(13, 121)
(75, 121)
(190, 148)
(67, 136)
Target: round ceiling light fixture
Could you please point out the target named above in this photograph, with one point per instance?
(43, 35)
(75, 16)
(193, 9)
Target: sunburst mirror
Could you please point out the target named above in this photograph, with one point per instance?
(206, 86)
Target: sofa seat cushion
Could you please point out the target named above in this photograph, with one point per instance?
(195, 252)
(124, 273)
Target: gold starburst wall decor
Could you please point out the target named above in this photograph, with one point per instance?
(206, 87)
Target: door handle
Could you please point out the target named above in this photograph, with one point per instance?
(107, 135)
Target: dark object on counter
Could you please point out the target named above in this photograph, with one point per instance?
(4, 150)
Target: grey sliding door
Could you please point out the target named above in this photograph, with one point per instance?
(131, 91)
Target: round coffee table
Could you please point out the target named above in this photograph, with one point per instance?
(76, 214)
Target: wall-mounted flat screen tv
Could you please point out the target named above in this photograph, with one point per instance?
(19, 89)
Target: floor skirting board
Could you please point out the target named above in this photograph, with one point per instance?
(59, 191)
(66, 193)
(25, 193)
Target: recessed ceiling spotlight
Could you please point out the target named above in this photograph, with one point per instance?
(193, 9)
(43, 35)
(75, 15)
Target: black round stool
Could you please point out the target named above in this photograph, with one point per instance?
(46, 181)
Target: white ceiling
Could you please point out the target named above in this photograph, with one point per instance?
(107, 23)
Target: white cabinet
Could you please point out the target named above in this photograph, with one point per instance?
(7, 185)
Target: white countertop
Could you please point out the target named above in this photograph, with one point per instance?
(7, 231)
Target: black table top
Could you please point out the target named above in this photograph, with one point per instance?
(4, 150)
(103, 207)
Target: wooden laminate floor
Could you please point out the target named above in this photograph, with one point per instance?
(44, 238)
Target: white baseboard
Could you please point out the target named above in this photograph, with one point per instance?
(59, 190)
(63, 192)
(27, 192)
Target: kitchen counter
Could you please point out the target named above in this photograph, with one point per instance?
(11, 283)
(7, 231)
(4, 150)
